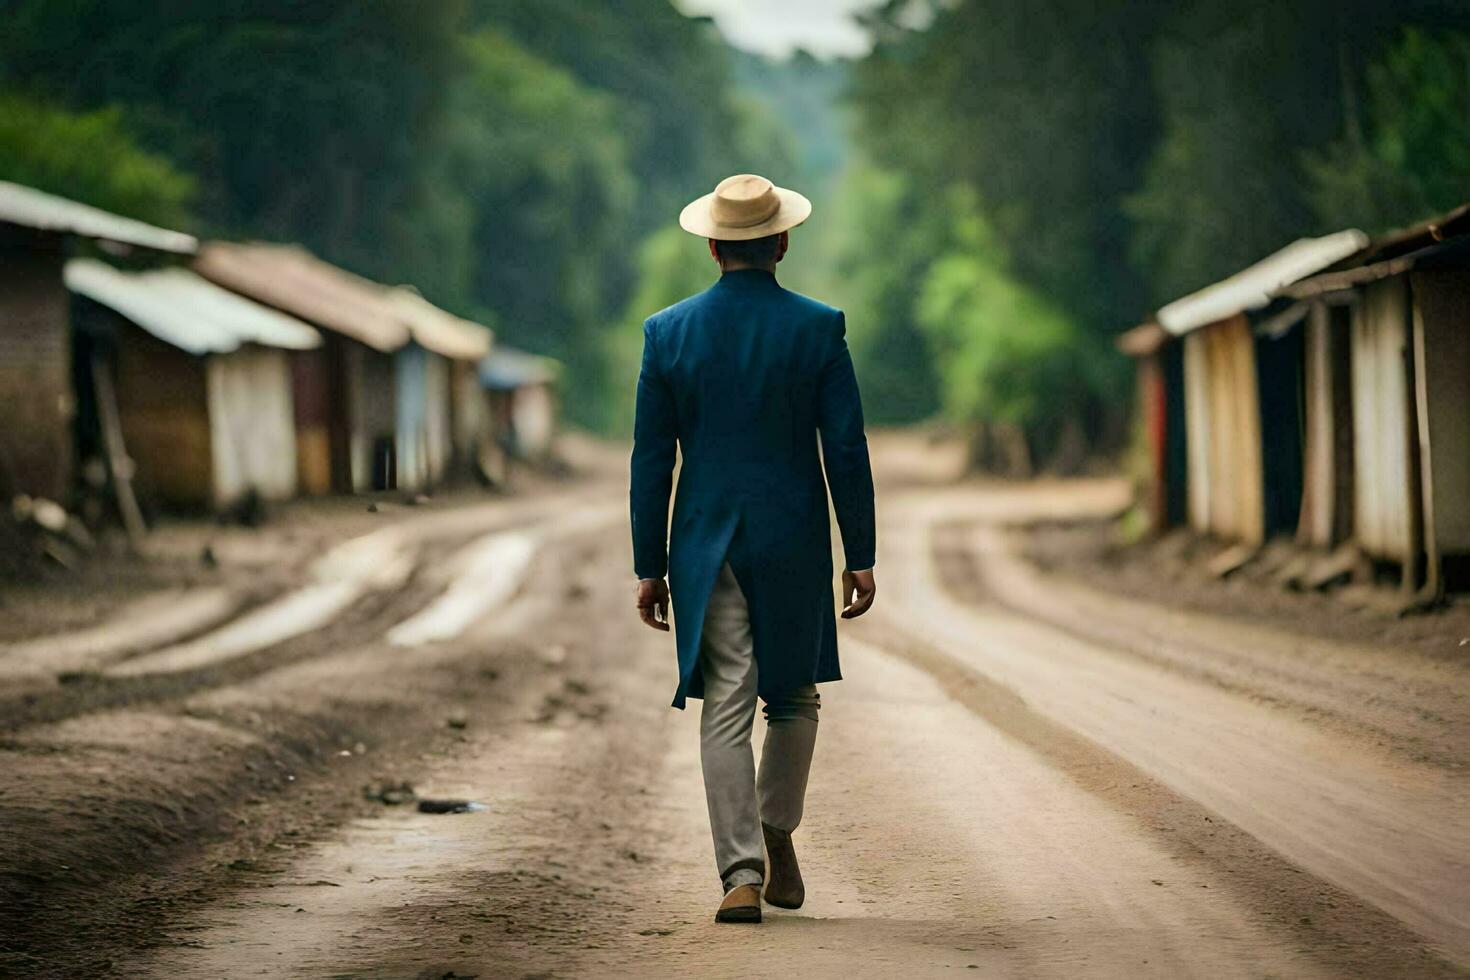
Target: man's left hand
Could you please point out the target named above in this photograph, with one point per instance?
(653, 603)
(858, 592)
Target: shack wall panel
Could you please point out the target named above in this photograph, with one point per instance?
(1222, 435)
(410, 370)
(1381, 421)
(1442, 298)
(1246, 463)
(252, 425)
(438, 435)
(371, 412)
(1315, 527)
(1151, 410)
(311, 383)
(1197, 425)
(36, 401)
(164, 413)
(534, 420)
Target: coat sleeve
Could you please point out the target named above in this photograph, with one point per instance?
(845, 452)
(655, 436)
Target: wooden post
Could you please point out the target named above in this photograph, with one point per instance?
(118, 463)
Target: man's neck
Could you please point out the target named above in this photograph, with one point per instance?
(742, 267)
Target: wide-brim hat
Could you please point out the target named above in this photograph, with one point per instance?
(743, 207)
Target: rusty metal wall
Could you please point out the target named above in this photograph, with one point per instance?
(36, 400)
(163, 406)
(1442, 304)
(1222, 407)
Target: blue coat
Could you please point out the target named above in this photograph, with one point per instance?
(744, 378)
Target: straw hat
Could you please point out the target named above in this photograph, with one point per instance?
(743, 207)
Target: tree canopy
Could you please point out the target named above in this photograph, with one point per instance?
(1000, 187)
(1121, 155)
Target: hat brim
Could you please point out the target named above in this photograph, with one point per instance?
(697, 219)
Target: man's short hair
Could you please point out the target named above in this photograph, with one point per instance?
(756, 251)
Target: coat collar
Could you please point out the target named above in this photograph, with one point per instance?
(747, 279)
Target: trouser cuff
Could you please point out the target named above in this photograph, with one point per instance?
(751, 871)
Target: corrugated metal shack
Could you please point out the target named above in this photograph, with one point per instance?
(202, 381)
(429, 401)
(1241, 365)
(37, 398)
(1159, 398)
(1392, 350)
(523, 406)
(373, 404)
(344, 390)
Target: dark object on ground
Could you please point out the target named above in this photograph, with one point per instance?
(457, 719)
(250, 510)
(451, 806)
(387, 792)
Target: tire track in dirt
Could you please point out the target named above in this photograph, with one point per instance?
(237, 773)
(1070, 697)
(200, 664)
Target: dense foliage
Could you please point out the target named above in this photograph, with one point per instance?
(1016, 182)
(506, 156)
(1123, 154)
(91, 156)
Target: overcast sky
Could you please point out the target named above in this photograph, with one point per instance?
(776, 27)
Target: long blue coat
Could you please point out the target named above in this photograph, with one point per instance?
(744, 378)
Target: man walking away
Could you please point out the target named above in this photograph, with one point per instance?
(745, 379)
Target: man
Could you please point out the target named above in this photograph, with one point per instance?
(745, 378)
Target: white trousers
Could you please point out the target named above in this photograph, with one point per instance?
(739, 800)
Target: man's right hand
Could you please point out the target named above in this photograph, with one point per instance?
(858, 591)
(653, 603)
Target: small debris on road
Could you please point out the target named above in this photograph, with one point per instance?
(451, 806)
(457, 719)
(391, 793)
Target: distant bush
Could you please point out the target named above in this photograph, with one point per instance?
(90, 157)
(1014, 369)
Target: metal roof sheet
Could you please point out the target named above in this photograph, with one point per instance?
(1423, 234)
(1252, 288)
(506, 368)
(1391, 254)
(181, 309)
(30, 208)
(440, 331)
(291, 279)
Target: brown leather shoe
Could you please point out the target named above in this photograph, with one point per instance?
(742, 904)
(783, 886)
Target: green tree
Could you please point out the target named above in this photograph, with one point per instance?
(1046, 110)
(889, 234)
(1409, 157)
(669, 73)
(1015, 369)
(538, 163)
(303, 122)
(672, 265)
(91, 157)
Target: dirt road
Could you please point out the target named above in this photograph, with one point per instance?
(1022, 776)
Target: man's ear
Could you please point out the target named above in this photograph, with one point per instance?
(714, 250)
(782, 245)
